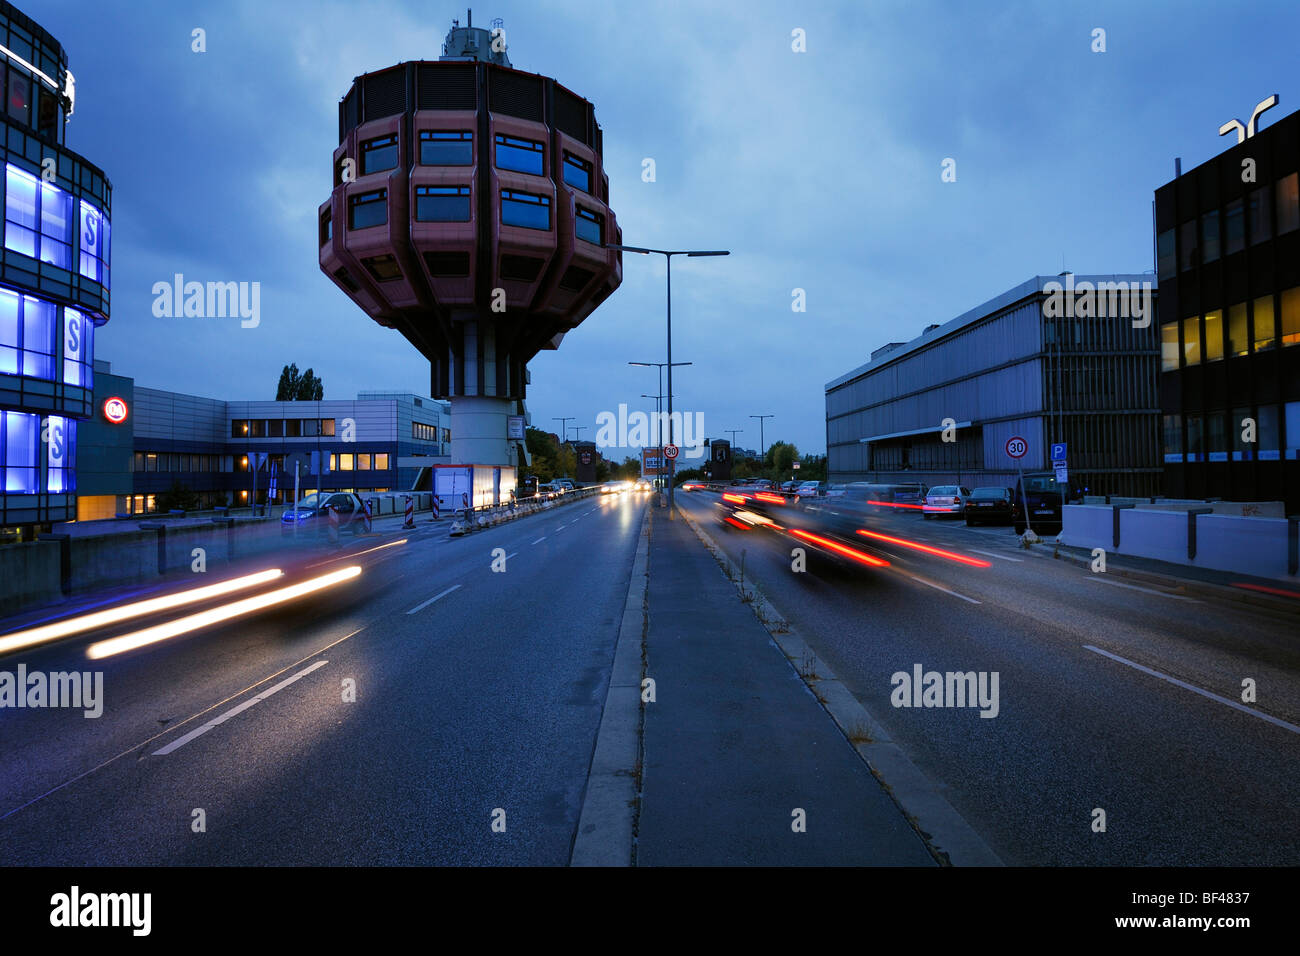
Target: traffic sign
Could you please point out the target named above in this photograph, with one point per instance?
(1017, 447)
(796, 466)
(1058, 451)
(1062, 474)
(671, 451)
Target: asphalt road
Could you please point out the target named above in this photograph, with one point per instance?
(476, 691)
(1183, 778)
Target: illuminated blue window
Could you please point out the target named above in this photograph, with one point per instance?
(378, 155)
(589, 225)
(521, 155)
(525, 209)
(61, 459)
(94, 244)
(577, 172)
(78, 351)
(442, 203)
(26, 335)
(38, 218)
(446, 148)
(18, 462)
(368, 209)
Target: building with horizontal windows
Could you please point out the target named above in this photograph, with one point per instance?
(141, 442)
(1228, 252)
(54, 279)
(1065, 358)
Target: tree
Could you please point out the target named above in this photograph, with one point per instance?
(176, 498)
(295, 387)
(780, 459)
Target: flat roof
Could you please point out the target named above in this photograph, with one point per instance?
(995, 305)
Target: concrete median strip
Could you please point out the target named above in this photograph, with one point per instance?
(606, 833)
(950, 838)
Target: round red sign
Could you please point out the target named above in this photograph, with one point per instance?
(115, 410)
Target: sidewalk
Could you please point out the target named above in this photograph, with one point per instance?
(735, 741)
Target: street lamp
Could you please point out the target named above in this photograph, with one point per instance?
(577, 428)
(668, 259)
(762, 448)
(660, 366)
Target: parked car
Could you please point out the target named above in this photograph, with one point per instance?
(311, 513)
(835, 491)
(890, 497)
(1042, 497)
(562, 484)
(945, 500)
(789, 487)
(990, 503)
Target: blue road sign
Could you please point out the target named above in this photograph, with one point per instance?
(1058, 451)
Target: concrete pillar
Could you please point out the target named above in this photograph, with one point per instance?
(478, 430)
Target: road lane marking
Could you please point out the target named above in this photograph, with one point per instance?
(1134, 587)
(917, 577)
(423, 604)
(1194, 689)
(235, 711)
(509, 556)
(1002, 557)
(540, 540)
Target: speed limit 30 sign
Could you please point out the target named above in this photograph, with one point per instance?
(671, 452)
(1016, 447)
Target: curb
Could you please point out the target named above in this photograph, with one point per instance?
(606, 834)
(951, 840)
(1209, 589)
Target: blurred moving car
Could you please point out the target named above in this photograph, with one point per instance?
(643, 485)
(694, 486)
(945, 500)
(562, 484)
(1042, 497)
(808, 489)
(311, 513)
(614, 487)
(990, 503)
(789, 486)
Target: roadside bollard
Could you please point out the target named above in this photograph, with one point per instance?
(369, 515)
(334, 524)
(410, 519)
(435, 507)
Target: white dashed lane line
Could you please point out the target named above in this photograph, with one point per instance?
(421, 606)
(1134, 587)
(540, 540)
(990, 554)
(236, 710)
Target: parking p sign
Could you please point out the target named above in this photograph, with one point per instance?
(1058, 451)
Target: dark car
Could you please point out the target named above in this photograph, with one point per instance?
(989, 504)
(1042, 497)
(311, 514)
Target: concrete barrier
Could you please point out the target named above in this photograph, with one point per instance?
(29, 574)
(1222, 542)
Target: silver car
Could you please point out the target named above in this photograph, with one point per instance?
(946, 500)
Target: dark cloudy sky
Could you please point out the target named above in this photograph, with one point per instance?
(819, 171)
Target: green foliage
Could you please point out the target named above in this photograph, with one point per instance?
(178, 497)
(295, 387)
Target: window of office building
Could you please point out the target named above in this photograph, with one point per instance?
(257, 428)
(1235, 227)
(78, 352)
(1187, 245)
(521, 155)
(577, 172)
(381, 461)
(446, 148)
(1216, 438)
(1290, 332)
(525, 209)
(38, 218)
(1192, 341)
(1195, 446)
(1270, 432)
(363, 462)
(590, 225)
(18, 452)
(378, 155)
(238, 428)
(27, 335)
(1210, 236)
(442, 203)
(1238, 337)
(1257, 209)
(383, 268)
(326, 227)
(1265, 331)
(1213, 336)
(1292, 442)
(1288, 203)
(95, 235)
(293, 428)
(1166, 254)
(1169, 346)
(327, 427)
(20, 97)
(368, 209)
(347, 462)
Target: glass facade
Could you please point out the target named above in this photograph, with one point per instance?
(520, 155)
(525, 209)
(446, 148)
(368, 209)
(442, 203)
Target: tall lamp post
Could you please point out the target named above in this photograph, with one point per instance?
(658, 406)
(762, 448)
(668, 259)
